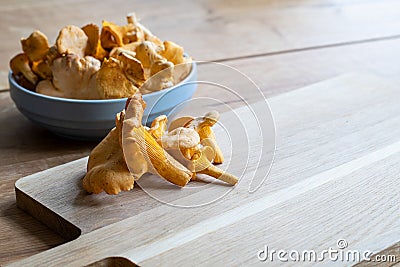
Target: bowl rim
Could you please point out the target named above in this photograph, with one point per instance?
(87, 101)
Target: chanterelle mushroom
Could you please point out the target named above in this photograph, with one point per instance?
(72, 40)
(155, 66)
(93, 47)
(83, 78)
(113, 35)
(144, 33)
(173, 52)
(52, 54)
(203, 165)
(20, 65)
(131, 146)
(158, 127)
(42, 69)
(202, 125)
(138, 141)
(106, 169)
(180, 138)
(184, 144)
(132, 67)
(111, 81)
(73, 77)
(35, 46)
(46, 87)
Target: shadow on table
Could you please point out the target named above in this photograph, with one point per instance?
(21, 140)
(26, 149)
(22, 235)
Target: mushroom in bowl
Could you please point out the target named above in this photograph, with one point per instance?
(75, 87)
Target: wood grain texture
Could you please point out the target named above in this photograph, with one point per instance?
(286, 32)
(334, 176)
(211, 30)
(26, 149)
(277, 74)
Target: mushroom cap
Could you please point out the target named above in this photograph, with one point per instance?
(173, 52)
(111, 81)
(94, 47)
(107, 170)
(180, 122)
(35, 46)
(180, 138)
(20, 65)
(72, 40)
(74, 76)
(132, 67)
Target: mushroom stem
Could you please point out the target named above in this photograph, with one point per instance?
(203, 165)
(207, 134)
(219, 174)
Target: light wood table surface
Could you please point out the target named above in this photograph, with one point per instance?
(281, 44)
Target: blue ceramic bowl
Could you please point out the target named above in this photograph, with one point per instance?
(93, 119)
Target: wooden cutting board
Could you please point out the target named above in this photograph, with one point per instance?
(335, 176)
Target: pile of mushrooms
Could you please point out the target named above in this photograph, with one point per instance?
(187, 148)
(89, 63)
